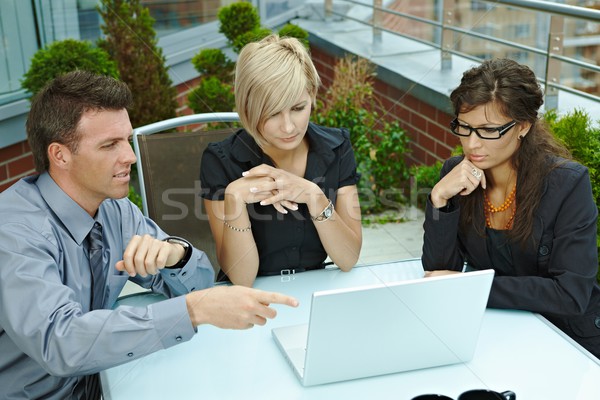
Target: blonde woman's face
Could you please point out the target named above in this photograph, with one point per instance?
(286, 129)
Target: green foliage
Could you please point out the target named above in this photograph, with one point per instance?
(291, 30)
(65, 56)
(213, 62)
(131, 41)
(238, 18)
(248, 37)
(379, 145)
(135, 198)
(211, 95)
(426, 176)
(240, 23)
(423, 179)
(577, 131)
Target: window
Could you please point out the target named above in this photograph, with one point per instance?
(480, 6)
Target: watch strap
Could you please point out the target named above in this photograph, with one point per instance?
(326, 213)
(187, 247)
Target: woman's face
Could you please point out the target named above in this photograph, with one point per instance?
(286, 129)
(489, 153)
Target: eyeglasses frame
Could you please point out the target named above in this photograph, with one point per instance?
(502, 130)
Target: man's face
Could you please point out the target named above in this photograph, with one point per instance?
(101, 166)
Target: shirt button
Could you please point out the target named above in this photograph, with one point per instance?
(597, 322)
(173, 274)
(543, 251)
(184, 273)
(178, 338)
(192, 289)
(129, 354)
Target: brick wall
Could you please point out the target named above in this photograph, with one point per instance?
(16, 162)
(427, 127)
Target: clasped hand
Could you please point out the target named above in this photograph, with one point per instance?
(268, 185)
(146, 255)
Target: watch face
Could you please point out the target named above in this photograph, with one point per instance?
(328, 212)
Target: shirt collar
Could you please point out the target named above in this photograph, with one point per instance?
(322, 143)
(77, 221)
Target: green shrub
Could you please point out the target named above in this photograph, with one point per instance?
(578, 132)
(64, 56)
(238, 18)
(248, 37)
(213, 62)
(211, 95)
(131, 41)
(379, 145)
(291, 30)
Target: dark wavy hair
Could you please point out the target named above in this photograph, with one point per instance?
(57, 109)
(515, 91)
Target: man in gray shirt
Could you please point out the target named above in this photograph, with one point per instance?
(57, 328)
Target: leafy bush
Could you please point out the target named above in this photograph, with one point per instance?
(211, 95)
(238, 18)
(131, 41)
(213, 62)
(65, 56)
(248, 37)
(291, 30)
(423, 179)
(577, 131)
(379, 145)
(240, 23)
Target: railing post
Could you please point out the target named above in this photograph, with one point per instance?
(328, 8)
(377, 21)
(553, 65)
(447, 35)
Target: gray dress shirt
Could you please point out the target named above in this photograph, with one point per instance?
(49, 338)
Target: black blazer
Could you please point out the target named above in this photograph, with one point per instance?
(555, 275)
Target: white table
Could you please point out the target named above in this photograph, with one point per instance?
(518, 351)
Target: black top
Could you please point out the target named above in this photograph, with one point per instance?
(553, 273)
(284, 241)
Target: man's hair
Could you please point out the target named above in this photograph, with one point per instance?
(57, 109)
(270, 76)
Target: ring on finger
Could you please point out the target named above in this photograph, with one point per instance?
(476, 173)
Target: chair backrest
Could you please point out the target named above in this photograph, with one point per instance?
(169, 175)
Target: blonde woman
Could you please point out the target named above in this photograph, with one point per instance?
(281, 193)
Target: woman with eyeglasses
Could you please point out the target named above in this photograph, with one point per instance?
(517, 203)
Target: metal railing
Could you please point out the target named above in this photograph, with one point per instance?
(446, 28)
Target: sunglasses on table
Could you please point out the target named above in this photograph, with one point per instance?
(487, 133)
(479, 394)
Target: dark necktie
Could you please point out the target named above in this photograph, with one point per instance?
(92, 382)
(96, 266)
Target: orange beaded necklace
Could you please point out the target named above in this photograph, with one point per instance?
(491, 209)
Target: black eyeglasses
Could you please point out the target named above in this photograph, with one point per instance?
(479, 394)
(484, 133)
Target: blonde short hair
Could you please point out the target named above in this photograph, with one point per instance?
(270, 76)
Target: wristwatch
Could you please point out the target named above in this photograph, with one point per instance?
(187, 246)
(325, 214)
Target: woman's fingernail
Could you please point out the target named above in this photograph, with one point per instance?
(253, 190)
(262, 203)
(244, 173)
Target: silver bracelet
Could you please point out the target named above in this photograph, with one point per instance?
(236, 229)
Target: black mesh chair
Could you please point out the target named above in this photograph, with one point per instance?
(168, 165)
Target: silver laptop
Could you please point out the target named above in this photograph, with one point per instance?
(387, 328)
